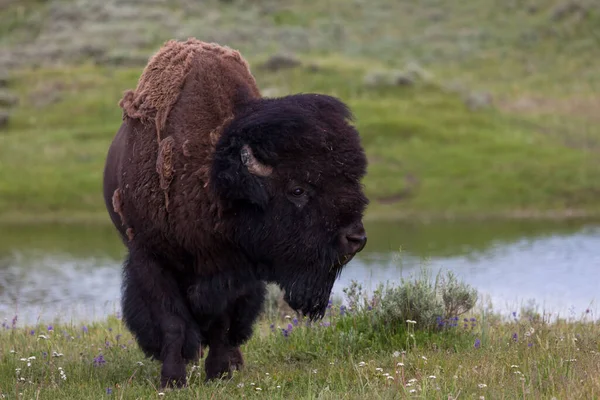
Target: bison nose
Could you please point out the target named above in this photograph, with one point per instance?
(356, 242)
(353, 239)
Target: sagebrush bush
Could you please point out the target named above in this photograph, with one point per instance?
(431, 304)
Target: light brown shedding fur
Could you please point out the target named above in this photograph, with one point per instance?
(160, 84)
(173, 120)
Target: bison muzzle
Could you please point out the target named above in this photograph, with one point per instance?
(215, 191)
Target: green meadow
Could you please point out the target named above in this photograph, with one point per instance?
(483, 109)
(471, 109)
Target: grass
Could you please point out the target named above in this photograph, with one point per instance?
(532, 153)
(351, 354)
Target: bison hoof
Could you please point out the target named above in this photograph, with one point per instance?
(236, 360)
(173, 376)
(172, 382)
(220, 365)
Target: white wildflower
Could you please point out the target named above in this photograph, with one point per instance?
(252, 383)
(240, 385)
(362, 364)
(314, 371)
(396, 353)
(413, 391)
(23, 359)
(161, 394)
(424, 358)
(288, 317)
(413, 380)
(390, 377)
(42, 337)
(379, 369)
(31, 358)
(12, 351)
(139, 363)
(400, 364)
(278, 387)
(482, 386)
(431, 376)
(258, 389)
(410, 321)
(514, 366)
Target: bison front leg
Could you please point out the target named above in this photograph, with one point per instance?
(155, 312)
(232, 329)
(243, 314)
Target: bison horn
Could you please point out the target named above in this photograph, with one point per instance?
(253, 165)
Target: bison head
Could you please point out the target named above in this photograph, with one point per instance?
(287, 172)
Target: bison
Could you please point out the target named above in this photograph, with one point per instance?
(215, 192)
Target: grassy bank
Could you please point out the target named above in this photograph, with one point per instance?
(492, 113)
(367, 350)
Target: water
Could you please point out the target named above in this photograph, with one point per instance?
(73, 273)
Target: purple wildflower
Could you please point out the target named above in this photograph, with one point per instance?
(325, 323)
(108, 390)
(477, 343)
(440, 322)
(50, 328)
(14, 322)
(295, 321)
(272, 327)
(330, 303)
(285, 332)
(515, 336)
(342, 310)
(118, 337)
(44, 354)
(32, 332)
(107, 344)
(369, 308)
(529, 344)
(99, 360)
(110, 329)
(85, 329)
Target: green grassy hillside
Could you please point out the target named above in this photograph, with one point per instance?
(481, 108)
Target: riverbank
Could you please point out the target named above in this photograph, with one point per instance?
(349, 354)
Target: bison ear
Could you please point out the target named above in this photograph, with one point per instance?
(237, 175)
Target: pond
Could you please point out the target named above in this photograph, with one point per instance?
(73, 273)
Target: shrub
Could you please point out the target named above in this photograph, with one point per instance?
(421, 300)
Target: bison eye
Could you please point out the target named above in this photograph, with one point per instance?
(297, 192)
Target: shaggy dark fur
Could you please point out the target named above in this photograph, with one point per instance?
(215, 191)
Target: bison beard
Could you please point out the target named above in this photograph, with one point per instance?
(218, 191)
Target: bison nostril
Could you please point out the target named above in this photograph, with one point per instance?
(357, 242)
